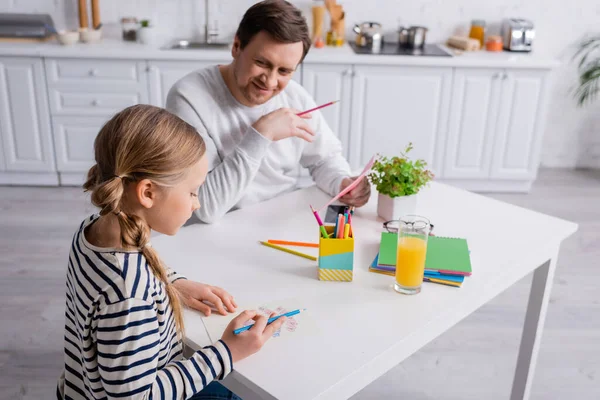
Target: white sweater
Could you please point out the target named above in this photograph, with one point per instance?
(245, 167)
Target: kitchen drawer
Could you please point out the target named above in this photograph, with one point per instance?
(94, 71)
(67, 101)
(74, 142)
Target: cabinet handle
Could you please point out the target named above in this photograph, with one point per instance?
(93, 72)
(346, 72)
(496, 75)
(504, 76)
(95, 103)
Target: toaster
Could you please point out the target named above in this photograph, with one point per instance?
(517, 34)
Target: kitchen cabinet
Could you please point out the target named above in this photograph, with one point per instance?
(74, 143)
(330, 82)
(395, 105)
(327, 83)
(496, 123)
(521, 123)
(478, 120)
(83, 95)
(476, 96)
(25, 132)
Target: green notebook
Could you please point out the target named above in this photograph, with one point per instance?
(448, 256)
(387, 248)
(444, 254)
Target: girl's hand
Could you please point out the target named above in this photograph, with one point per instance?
(252, 340)
(196, 295)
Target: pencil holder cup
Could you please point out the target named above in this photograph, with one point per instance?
(336, 258)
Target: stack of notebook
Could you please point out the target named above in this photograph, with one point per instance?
(447, 261)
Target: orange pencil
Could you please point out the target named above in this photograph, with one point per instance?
(287, 243)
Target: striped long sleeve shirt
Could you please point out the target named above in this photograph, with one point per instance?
(120, 337)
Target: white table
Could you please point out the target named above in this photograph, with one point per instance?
(365, 328)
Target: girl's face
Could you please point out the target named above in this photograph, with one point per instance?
(170, 207)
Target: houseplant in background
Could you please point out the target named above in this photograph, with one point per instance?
(398, 179)
(145, 32)
(588, 53)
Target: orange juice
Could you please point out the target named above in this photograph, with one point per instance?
(410, 261)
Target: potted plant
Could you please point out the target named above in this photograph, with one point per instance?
(145, 32)
(398, 180)
(588, 52)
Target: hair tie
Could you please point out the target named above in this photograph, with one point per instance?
(117, 176)
(117, 213)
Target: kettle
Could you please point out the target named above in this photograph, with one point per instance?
(368, 34)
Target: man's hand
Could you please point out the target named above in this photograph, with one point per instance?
(200, 297)
(359, 196)
(284, 123)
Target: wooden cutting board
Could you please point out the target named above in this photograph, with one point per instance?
(25, 40)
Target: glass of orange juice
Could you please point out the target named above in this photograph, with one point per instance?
(413, 231)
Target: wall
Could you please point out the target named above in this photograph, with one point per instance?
(572, 136)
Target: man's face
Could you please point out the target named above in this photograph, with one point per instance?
(264, 67)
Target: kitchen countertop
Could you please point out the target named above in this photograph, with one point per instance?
(118, 49)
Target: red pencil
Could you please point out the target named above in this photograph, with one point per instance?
(317, 108)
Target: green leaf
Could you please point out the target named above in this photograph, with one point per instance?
(399, 175)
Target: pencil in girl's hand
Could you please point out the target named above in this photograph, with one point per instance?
(317, 108)
(320, 222)
(272, 319)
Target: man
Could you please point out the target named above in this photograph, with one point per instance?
(246, 113)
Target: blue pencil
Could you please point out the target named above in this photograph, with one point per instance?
(272, 319)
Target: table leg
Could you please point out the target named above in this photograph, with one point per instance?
(533, 328)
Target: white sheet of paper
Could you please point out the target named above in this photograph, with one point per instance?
(299, 324)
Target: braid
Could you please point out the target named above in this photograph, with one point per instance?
(135, 233)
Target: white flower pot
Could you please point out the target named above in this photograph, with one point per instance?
(146, 35)
(394, 208)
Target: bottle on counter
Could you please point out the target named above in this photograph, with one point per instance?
(478, 31)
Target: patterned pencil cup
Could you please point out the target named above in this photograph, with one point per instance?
(336, 258)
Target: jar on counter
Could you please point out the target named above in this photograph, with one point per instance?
(478, 31)
(129, 25)
(493, 43)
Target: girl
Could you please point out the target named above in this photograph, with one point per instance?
(124, 324)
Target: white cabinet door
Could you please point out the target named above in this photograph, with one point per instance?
(74, 142)
(164, 74)
(472, 122)
(520, 124)
(395, 105)
(24, 117)
(330, 82)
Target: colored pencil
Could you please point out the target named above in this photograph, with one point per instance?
(320, 222)
(346, 231)
(317, 108)
(288, 243)
(340, 227)
(350, 222)
(272, 319)
(294, 252)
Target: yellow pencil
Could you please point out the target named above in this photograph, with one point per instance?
(346, 231)
(294, 252)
